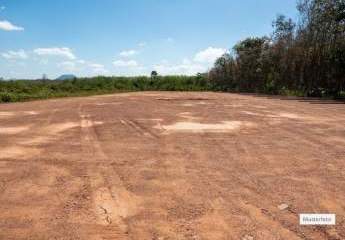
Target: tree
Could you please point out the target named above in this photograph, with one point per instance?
(154, 74)
(249, 63)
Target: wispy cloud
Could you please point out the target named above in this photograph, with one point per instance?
(199, 63)
(128, 53)
(98, 68)
(8, 26)
(209, 55)
(124, 63)
(96, 65)
(142, 44)
(2, 8)
(55, 51)
(187, 67)
(20, 54)
(68, 66)
(82, 66)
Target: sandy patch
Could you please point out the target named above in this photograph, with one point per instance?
(290, 115)
(151, 94)
(287, 115)
(13, 130)
(108, 95)
(224, 126)
(36, 140)
(86, 122)
(49, 133)
(30, 112)
(187, 104)
(105, 104)
(112, 207)
(185, 113)
(203, 103)
(112, 204)
(18, 152)
(283, 115)
(234, 105)
(150, 119)
(10, 114)
(183, 99)
(260, 107)
(6, 114)
(251, 113)
(188, 115)
(61, 127)
(127, 94)
(194, 104)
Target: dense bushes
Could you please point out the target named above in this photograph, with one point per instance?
(20, 90)
(307, 58)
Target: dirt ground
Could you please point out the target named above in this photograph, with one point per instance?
(163, 165)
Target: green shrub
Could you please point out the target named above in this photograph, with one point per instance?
(22, 90)
(7, 97)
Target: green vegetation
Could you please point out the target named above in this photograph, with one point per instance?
(306, 59)
(22, 90)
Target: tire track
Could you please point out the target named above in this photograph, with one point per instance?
(109, 208)
(139, 128)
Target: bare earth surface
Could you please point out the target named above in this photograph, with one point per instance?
(170, 166)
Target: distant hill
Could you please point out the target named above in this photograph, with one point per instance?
(66, 77)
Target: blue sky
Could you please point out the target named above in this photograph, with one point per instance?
(126, 37)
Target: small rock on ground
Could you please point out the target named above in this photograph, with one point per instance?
(248, 237)
(283, 206)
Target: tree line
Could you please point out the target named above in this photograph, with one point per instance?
(23, 90)
(304, 58)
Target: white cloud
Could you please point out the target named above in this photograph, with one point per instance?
(96, 65)
(209, 55)
(128, 53)
(98, 68)
(61, 52)
(133, 71)
(43, 61)
(7, 26)
(81, 61)
(201, 62)
(82, 66)
(186, 61)
(20, 54)
(185, 68)
(68, 66)
(123, 63)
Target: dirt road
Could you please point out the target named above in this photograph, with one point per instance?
(171, 166)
